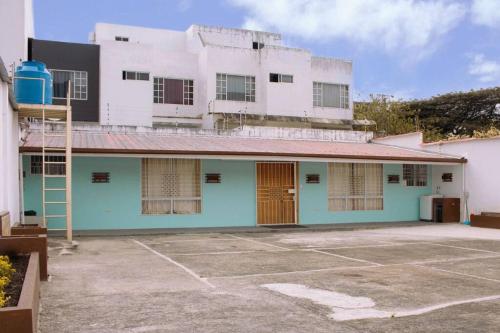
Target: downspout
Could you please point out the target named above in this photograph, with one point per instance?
(466, 220)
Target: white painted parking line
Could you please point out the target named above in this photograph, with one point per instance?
(443, 261)
(259, 242)
(292, 272)
(187, 240)
(368, 246)
(187, 270)
(464, 248)
(226, 252)
(458, 273)
(344, 257)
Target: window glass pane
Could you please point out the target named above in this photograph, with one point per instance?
(357, 181)
(221, 85)
(60, 83)
(415, 174)
(171, 186)
(374, 179)
(130, 75)
(316, 94)
(143, 76)
(287, 78)
(273, 77)
(331, 95)
(355, 186)
(173, 91)
(235, 88)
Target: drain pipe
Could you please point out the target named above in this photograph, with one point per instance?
(466, 197)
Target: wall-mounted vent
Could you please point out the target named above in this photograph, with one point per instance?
(312, 179)
(447, 177)
(212, 178)
(393, 179)
(100, 177)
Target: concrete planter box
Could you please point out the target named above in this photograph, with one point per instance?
(28, 244)
(23, 318)
(486, 220)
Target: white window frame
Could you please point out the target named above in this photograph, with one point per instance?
(221, 87)
(173, 199)
(415, 175)
(365, 196)
(158, 90)
(79, 80)
(343, 93)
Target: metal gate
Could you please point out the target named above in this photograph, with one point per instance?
(276, 193)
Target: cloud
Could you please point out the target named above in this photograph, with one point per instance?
(485, 70)
(486, 12)
(390, 25)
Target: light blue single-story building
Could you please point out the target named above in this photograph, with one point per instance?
(149, 181)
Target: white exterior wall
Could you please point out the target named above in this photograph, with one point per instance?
(482, 179)
(16, 25)
(409, 140)
(198, 54)
(329, 70)
(9, 161)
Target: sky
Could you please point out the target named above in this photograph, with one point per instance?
(403, 48)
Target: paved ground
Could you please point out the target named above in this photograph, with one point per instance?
(434, 278)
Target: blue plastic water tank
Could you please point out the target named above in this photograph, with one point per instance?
(29, 83)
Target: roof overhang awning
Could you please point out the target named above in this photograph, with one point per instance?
(226, 147)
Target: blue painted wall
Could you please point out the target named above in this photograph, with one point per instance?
(401, 203)
(117, 205)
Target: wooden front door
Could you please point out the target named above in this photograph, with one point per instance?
(275, 193)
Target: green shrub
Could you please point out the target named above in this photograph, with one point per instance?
(6, 272)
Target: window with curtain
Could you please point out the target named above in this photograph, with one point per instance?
(173, 91)
(331, 95)
(79, 84)
(235, 87)
(171, 186)
(415, 174)
(355, 186)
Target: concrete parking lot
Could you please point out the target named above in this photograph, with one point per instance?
(430, 278)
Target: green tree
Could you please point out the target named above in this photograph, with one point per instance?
(391, 117)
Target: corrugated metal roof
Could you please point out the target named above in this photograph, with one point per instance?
(148, 143)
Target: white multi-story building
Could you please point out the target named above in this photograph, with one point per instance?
(217, 78)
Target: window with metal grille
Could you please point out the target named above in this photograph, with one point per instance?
(129, 75)
(331, 95)
(355, 186)
(171, 186)
(172, 91)
(121, 39)
(415, 174)
(54, 165)
(235, 87)
(79, 84)
(276, 77)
